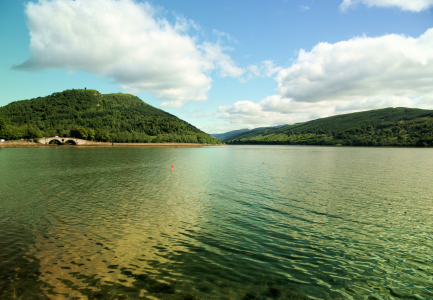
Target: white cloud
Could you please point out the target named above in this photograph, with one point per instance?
(359, 74)
(126, 42)
(247, 114)
(269, 68)
(361, 67)
(214, 53)
(254, 69)
(183, 25)
(224, 34)
(303, 7)
(244, 107)
(410, 5)
(266, 68)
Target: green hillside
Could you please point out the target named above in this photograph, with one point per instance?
(383, 127)
(232, 134)
(228, 135)
(90, 115)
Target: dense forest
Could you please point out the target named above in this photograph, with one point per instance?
(383, 127)
(87, 114)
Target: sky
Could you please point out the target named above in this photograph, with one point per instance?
(224, 65)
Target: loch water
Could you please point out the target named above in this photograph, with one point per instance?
(227, 222)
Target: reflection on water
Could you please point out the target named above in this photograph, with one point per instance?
(311, 223)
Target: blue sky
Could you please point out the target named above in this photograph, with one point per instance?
(224, 65)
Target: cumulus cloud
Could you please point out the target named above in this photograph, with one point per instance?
(246, 108)
(124, 41)
(410, 5)
(358, 74)
(247, 114)
(214, 52)
(361, 67)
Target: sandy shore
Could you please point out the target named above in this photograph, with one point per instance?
(22, 144)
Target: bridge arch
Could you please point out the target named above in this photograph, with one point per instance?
(55, 141)
(69, 142)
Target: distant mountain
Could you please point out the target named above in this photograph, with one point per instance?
(233, 134)
(383, 127)
(90, 115)
(228, 135)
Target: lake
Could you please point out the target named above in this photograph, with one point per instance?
(226, 222)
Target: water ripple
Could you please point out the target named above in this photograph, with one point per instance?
(313, 223)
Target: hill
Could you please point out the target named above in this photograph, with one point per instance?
(233, 134)
(383, 127)
(229, 135)
(90, 115)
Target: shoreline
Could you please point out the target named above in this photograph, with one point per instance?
(22, 144)
(106, 145)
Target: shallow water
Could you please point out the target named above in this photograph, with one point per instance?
(311, 223)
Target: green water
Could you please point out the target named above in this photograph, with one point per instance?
(311, 223)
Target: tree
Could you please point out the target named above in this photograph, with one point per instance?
(2, 124)
(31, 132)
(102, 135)
(79, 132)
(91, 134)
(11, 133)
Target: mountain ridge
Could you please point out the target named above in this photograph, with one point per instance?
(396, 126)
(232, 134)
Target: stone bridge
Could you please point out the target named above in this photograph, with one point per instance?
(71, 140)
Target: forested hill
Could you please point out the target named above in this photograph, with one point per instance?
(383, 127)
(232, 134)
(228, 135)
(90, 115)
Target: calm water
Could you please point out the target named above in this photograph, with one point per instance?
(311, 223)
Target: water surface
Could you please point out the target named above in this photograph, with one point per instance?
(311, 223)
